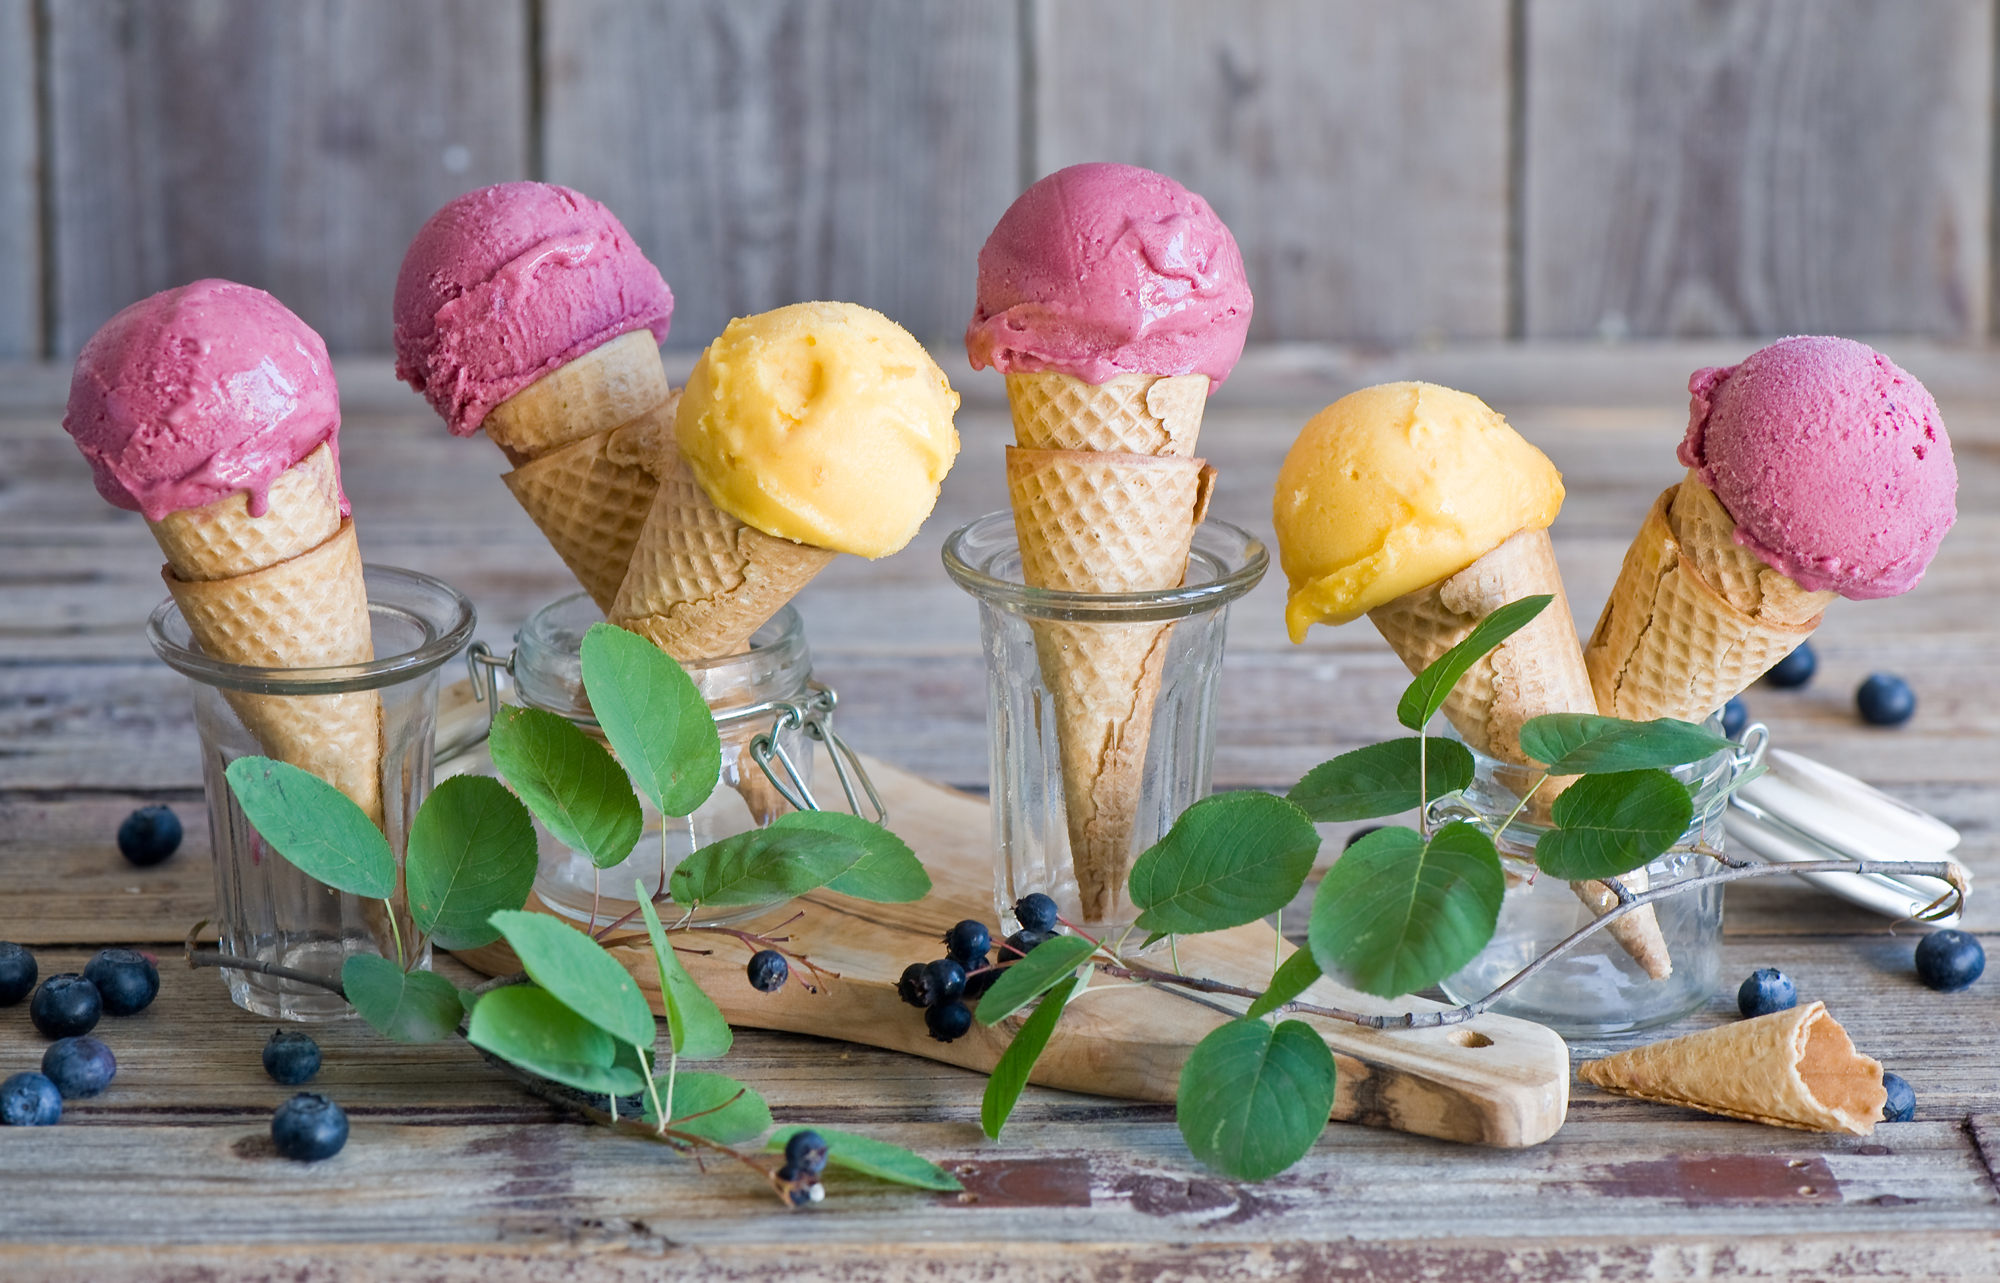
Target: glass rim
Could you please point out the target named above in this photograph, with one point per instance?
(1147, 606)
(443, 639)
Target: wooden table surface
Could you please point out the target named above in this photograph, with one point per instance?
(454, 1173)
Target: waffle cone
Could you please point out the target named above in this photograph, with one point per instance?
(222, 539)
(1693, 618)
(610, 385)
(591, 497)
(1792, 1068)
(1537, 670)
(1132, 414)
(1098, 522)
(309, 611)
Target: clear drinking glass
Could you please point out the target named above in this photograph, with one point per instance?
(1596, 989)
(1030, 821)
(265, 907)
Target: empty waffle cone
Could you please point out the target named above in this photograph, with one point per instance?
(607, 386)
(1694, 618)
(1794, 1068)
(1131, 414)
(1096, 522)
(1537, 670)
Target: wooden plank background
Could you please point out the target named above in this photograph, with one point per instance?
(1450, 169)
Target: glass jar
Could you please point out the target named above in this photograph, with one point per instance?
(768, 711)
(1596, 989)
(1031, 836)
(266, 908)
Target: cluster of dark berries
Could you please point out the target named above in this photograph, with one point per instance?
(117, 982)
(805, 1159)
(942, 987)
(308, 1127)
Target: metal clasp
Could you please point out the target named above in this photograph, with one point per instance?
(814, 716)
(484, 668)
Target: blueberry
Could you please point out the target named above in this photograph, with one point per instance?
(1735, 716)
(800, 1187)
(805, 1152)
(948, 1021)
(968, 942)
(1948, 961)
(79, 1067)
(1767, 990)
(1901, 1106)
(1022, 941)
(947, 980)
(30, 1100)
(1360, 833)
(17, 973)
(149, 835)
(1885, 700)
(1795, 669)
(65, 1006)
(768, 971)
(915, 986)
(309, 1127)
(290, 1057)
(125, 980)
(1035, 912)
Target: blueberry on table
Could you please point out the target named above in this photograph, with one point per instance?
(65, 1006)
(1885, 700)
(149, 835)
(805, 1153)
(948, 1021)
(915, 986)
(1767, 990)
(968, 942)
(947, 980)
(291, 1057)
(1901, 1106)
(1795, 669)
(79, 1067)
(1948, 961)
(126, 981)
(1735, 716)
(1035, 912)
(30, 1100)
(17, 973)
(768, 971)
(309, 1127)
(1022, 942)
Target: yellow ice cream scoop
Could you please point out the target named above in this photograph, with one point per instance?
(824, 423)
(1395, 487)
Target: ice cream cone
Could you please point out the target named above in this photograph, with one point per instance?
(1095, 522)
(1538, 670)
(1694, 617)
(609, 385)
(1132, 414)
(1793, 1068)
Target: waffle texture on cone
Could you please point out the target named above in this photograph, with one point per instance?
(1103, 523)
(1669, 643)
(1131, 414)
(600, 390)
(1795, 1068)
(222, 539)
(590, 498)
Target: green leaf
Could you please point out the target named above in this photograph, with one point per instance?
(528, 1027)
(1381, 779)
(577, 789)
(730, 1112)
(471, 852)
(695, 1026)
(576, 971)
(408, 1006)
(875, 1158)
(1613, 824)
(1229, 859)
(1254, 1098)
(1426, 695)
(1024, 981)
(1585, 744)
(315, 826)
(1292, 979)
(889, 872)
(1396, 914)
(1003, 1089)
(763, 865)
(657, 722)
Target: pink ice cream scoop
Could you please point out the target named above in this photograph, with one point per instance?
(1101, 270)
(1833, 462)
(505, 284)
(186, 397)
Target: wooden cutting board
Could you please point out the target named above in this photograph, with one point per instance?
(1493, 1081)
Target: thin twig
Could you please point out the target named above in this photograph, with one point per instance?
(199, 960)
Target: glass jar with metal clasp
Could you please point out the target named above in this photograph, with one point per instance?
(771, 717)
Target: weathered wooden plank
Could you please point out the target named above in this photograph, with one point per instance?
(1357, 151)
(293, 147)
(1757, 168)
(768, 152)
(20, 186)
